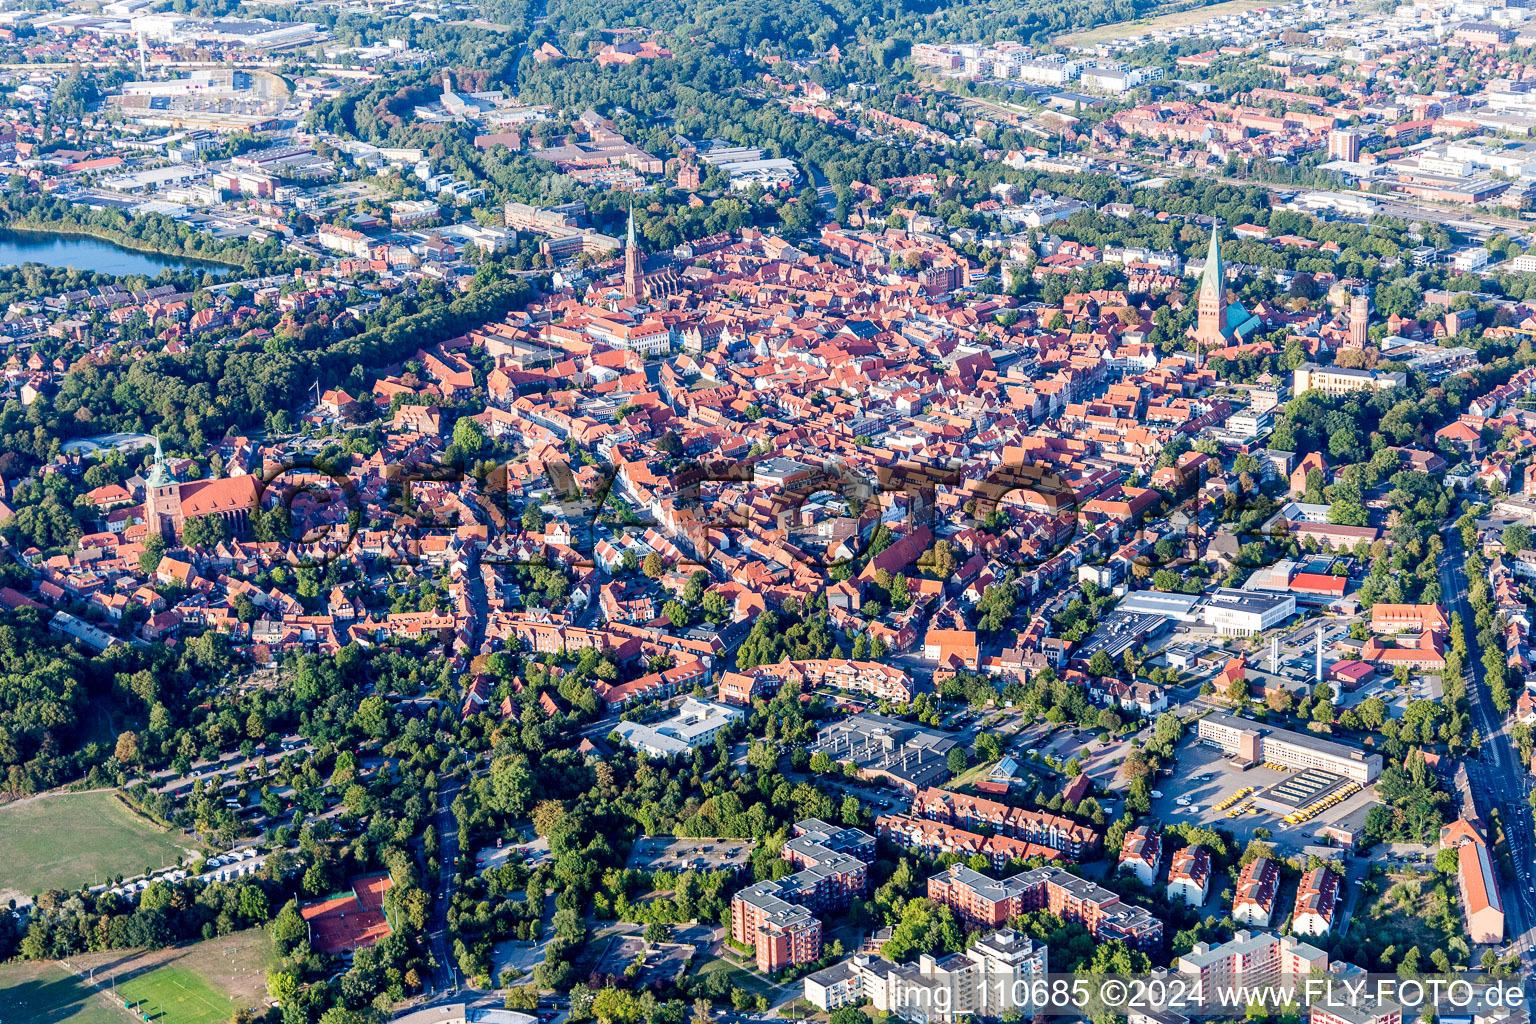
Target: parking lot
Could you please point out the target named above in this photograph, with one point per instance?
(667, 853)
(1196, 761)
(1397, 696)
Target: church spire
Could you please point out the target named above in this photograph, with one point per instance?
(634, 273)
(1211, 329)
(159, 473)
(1214, 278)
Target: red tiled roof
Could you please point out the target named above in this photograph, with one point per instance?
(231, 494)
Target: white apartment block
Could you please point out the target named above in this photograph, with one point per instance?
(1189, 876)
(984, 981)
(1251, 958)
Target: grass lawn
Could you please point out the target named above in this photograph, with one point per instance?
(176, 995)
(48, 994)
(744, 980)
(66, 840)
(975, 773)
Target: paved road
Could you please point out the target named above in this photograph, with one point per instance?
(444, 971)
(1498, 773)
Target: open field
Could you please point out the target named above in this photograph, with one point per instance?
(229, 972)
(1400, 914)
(745, 980)
(66, 840)
(1165, 21)
(48, 994)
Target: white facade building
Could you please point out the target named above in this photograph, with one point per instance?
(1240, 613)
(696, 724)
(994, 976)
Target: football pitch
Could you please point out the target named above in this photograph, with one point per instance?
(49, 994)
(174, 995)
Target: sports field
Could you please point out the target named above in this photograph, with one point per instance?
(175, 995)
(66, 840)
(199, 983)
(1166, 21)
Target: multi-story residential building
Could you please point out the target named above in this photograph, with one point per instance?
(971, 812)
(1142, 853)
(778, 918)
(1344, 144)
(975, 897)
(656, 685)
(1257, 886)
(1366, 1009)
(1117, 80)
(1252, 743)
(344, 240)
(878, 680)
(1252, 958)
(935, 838)
(993, 977)
(1189, 876)
(984, 900)
(1316, 899)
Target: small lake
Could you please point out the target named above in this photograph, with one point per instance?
(82, 253)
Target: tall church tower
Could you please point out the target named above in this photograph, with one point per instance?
(1211, 306)
(162, 499)
(634, 278)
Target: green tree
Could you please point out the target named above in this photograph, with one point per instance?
(254, 906)
(290, 928)
(154, 550)
(675, 613)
